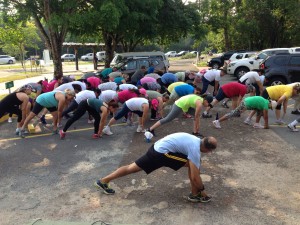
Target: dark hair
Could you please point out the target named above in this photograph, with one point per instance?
(77, 87)
(224, 71)
(97, 91)
(208, 144)
(113, 104)
(143, 67)
(134, 90)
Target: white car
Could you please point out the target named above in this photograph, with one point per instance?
(6, 59)
(87, 57)
(240, 67)
(171, 54)
(240, 55)
(68, 57)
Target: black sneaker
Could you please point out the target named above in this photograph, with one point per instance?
(206, 115)
(22, 133)
(296, 112)
(198, 198)
(198, 135)
(98, 184)
(43, 120)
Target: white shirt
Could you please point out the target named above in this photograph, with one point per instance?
(83, 95)
(108, 95)
(251, 77)
(115, 74)
(63, 87)
(212, 75)
(123, 87)
(108, 86)
(135, 104)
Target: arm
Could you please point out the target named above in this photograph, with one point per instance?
(104, 114)
(195, 179)
(265, 115)
(145, 114)
(197, 116)
(160, 106)
(285, 104)
(25, 100)
(61, 104)
(216, 87)
(239, 100)
(261, 87)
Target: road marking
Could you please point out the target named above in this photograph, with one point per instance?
(50, 134)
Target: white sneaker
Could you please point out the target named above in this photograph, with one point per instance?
(258, 126)
(59, 125)
(107, 131)
(140, 129)
(216, 123)
(91, 121)
(279, 122)
(9, 120)
(18, 131)
(248, 121)
(292, 128)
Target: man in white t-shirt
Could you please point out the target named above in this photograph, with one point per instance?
(253, 78)
(174, 151)
(212, 77)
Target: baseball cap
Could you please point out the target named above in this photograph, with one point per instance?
(143, 92)
(27, 86)
(273, 104)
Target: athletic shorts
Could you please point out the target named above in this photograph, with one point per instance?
(38, 108)
(153, 160)
(220, 95)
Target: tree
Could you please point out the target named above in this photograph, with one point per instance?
(53, 18)
(16, 37)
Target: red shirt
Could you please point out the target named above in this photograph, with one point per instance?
(234, 89)
(126, 95)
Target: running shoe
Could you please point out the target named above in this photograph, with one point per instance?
(140, 129)
(107, 130)
(248, 121)
(258, 126)
(206, 115)
(18, 131)
(198, 198)
(296, 112)
(151, 131)
(279, 122)
(224, 104)
(95, 136)
(106, 189)
(186, 115)
(22, 133)
(292, 128)
(197, 134)
(62, 134)
(91, 121)
(216, 123)
(9, 120)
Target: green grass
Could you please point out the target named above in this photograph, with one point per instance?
(19, 76)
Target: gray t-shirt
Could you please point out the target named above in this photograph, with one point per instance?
(183, 143)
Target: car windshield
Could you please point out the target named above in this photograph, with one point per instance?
(260, 55)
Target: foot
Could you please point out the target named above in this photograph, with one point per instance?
(292, 128)
(91, 121)
(22, 133)
(95, 136)
(43, 120)
(9, 120)
(151, 131)
(297, 112)
(206, 115)
(109, 191)
(279, 122)
(140, 129)
(258, 126)
(216, 123)
(62, 134)
(224, 104)
(186, 115)
(197, 134)
(107, 131)
(199, 198)
(248, 122)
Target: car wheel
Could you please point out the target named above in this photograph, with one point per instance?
(241, 71)
(10, 62)
(215, 66)
(277, 81)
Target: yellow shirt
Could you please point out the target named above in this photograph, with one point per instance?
(188, 101)
(275, 92)
(173, 85)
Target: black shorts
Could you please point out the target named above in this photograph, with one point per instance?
(153, 160)
(38, 108)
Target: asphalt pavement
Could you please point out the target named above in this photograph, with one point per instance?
(253, 176)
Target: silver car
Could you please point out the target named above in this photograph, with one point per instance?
(6, 59)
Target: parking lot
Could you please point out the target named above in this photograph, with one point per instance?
(253, 176)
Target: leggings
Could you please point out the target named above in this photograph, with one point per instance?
(12, 110)
(175, 111)
(71, 108)
(82, 108)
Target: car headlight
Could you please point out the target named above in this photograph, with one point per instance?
(231, 64)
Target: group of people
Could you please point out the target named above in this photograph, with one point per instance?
(146, 91)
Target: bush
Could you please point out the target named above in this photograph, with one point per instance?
(189, 56)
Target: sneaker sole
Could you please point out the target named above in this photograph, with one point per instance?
(199, 200)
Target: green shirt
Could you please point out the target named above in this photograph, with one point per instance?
(256, 103)
(95, 104)
(188, 101)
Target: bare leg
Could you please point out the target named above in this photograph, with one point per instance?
(121, 172)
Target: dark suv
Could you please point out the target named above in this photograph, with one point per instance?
(130, 65)
(218, 62)
(281, 69)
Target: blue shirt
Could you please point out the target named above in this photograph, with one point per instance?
(169, 78)
(48, 99)
(183, 143)
(183, 90)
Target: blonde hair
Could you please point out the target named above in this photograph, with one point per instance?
(70, 92)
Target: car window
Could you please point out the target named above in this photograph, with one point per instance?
(239, 56)
(262, 56)
(143, 63)
(280, 60)
(295, 61)
(130, 65)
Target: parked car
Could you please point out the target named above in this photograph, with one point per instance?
(294, 50)
(182, 53)
(238, 56)
(87, 57)
(101, 55)
(194, 52)
(218, 62)
(130, 65)
(282, 68)
(171, 54)
(6, 59)
(68, 57)
(240, 67)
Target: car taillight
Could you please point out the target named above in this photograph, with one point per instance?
(262, 66)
